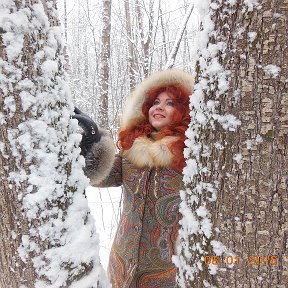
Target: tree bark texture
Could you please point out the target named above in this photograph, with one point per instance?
(248, 166)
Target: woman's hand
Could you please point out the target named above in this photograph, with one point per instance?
(91, 133)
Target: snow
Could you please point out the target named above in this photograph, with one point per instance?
(40, 19)
(202, 211)
(251, 4)
(190, 170)
(27, 100)
(10, 105)
(49, 68)
(14, 45)
(206, 227)
(272, 70)
(212, 269)
(2, 119)
(214, 6)
(232, 2)
(258, 139)
(252, 36)
(218, 248)
(189, 221)
(219, 146)
(207, 284)
(251, 142)
(228, 122)
(105, 205)
(13, 235)
(238, 157)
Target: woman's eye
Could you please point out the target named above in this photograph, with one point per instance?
(170, 103)
(156, 102)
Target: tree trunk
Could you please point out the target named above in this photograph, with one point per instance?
(47, 234)
(145, 40)
(163, 30)
(131, 53)
(104, 67)
(235, 205)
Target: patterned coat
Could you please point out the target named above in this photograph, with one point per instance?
(147, 232)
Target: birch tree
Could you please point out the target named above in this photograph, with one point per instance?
(234, 227)
(48, 238)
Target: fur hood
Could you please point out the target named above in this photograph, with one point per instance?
(132, 111)
(150, 152)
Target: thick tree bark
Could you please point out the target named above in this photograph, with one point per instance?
(242, 170)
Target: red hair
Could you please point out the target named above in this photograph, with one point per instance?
(178, 126)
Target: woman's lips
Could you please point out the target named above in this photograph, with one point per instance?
(158, 116)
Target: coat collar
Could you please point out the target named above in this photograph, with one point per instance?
(151, 152)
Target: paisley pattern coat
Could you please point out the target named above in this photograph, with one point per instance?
(147, 231)
(146, 236)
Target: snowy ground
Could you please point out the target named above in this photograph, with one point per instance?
(105, 208)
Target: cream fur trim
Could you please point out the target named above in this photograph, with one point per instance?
(146, 152)
(132, 112)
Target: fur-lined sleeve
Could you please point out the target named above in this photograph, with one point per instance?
(99, 159)
(114, 178)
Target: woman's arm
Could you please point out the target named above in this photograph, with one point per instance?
(100, 166)
(98, 149)
(114, 178)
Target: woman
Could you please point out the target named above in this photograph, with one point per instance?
(149, 166)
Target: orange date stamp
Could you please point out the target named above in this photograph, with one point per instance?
(236, 260)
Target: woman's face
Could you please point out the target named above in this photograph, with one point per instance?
(162, 110)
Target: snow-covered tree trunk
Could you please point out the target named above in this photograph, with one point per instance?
(48, 238)
(235, 206)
